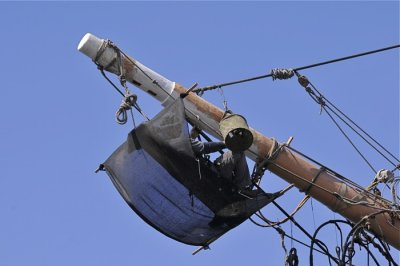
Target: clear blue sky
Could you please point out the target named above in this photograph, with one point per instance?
(57, 115)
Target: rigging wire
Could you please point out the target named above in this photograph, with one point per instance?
(295, 69)
(324, 103)
(356, 125)
(350, 141)
(322, 100)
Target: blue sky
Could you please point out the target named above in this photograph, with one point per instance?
(57, 115)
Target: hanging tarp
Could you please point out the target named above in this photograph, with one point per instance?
(157, 174)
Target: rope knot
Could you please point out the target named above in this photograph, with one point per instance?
(127, 103)
(281, 73)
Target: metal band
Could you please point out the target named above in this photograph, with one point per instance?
(307, 190)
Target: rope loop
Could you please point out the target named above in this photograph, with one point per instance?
(282, 73)
(128, 102)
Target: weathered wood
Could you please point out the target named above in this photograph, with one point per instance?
(288, 165)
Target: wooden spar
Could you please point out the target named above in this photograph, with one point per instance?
(290, 166)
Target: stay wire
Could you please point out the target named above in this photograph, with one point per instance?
(357, 126)
(319, 100)
(361, 136)
(296, 69)
(351, 142)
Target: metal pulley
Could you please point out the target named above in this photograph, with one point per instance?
(235, 132)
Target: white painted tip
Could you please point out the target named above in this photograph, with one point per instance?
(89, 45)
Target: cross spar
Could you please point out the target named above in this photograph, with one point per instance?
(288, 165)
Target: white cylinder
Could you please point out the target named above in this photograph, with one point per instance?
(143, 77)
(90, 45)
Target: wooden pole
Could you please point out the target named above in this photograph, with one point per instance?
(290, 166)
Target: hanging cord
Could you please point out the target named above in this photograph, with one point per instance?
(271, 223)
(284, 234)
(225, 103)
(276, 75)
(291, 259)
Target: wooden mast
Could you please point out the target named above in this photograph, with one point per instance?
(290, 166)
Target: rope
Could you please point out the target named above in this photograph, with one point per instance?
(127, 103)
(155, 82)
(260, 215)
(261, 166)
(283, 233)
(130, 99)
(201, 90)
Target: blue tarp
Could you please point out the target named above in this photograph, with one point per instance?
(157, 174)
